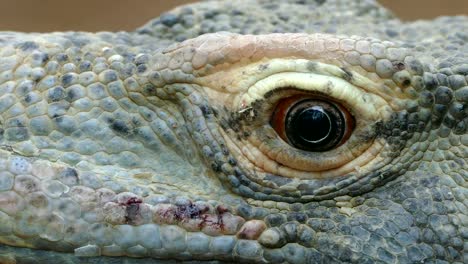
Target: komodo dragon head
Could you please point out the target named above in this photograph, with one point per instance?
(345, 142)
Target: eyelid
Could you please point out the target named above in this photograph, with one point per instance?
(239, 86)
(366, 105)
(249, 77)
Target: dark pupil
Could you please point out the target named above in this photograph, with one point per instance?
(314, 125)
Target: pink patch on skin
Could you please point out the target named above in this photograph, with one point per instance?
(251, 230)
(164, 214)
(128, 208)
(193, 217)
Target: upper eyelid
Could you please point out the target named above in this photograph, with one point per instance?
(233, 81)
(340, 91)
(240, 80)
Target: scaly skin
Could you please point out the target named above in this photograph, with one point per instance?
(131, 145)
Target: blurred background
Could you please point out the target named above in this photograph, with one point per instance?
(114, 15)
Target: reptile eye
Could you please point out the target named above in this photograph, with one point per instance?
(301, 130)
(312, 124)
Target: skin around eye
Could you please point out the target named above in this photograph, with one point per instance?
(264, 107)
(312, 123)
(269, 108)
(277, 104)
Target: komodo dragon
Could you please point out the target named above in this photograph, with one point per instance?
(299, 132)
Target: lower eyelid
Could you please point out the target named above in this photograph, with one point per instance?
(263, 156)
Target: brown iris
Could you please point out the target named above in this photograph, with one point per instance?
(312, 123)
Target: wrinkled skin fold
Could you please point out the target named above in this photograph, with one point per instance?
(158, 145)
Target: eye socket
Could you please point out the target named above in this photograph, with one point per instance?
(312, 124)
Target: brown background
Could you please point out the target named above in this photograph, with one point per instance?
(113, 15)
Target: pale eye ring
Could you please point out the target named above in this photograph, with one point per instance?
(312, 124)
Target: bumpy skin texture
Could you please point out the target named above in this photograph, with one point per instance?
(134, 147)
